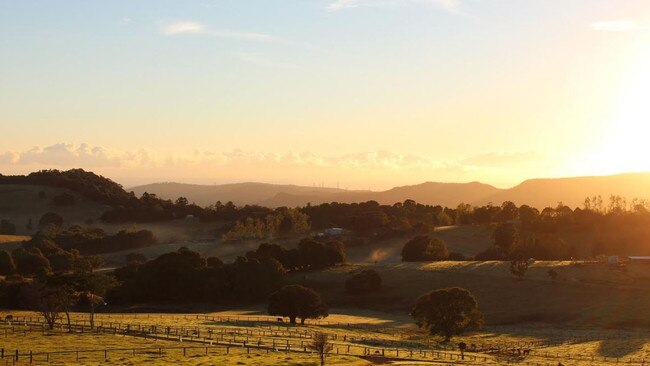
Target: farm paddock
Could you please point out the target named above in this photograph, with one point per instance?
(250, 338)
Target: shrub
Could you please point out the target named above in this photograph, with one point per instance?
(519, 268)
(51, 218)
(363, 282)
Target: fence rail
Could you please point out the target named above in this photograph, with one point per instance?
(271, 344)
(276, 338)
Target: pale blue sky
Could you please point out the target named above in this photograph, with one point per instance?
(371, 93)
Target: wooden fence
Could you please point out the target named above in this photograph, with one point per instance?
(272, 344)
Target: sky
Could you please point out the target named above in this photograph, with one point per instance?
(358, 94)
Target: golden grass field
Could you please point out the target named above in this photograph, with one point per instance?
(569, 344)
(159, 352)
(13, 239)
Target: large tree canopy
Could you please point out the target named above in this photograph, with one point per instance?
(295, 301)
(447, 312)
(423, 248)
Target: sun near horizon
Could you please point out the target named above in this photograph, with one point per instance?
(360, 94)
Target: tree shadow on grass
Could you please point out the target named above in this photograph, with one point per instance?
(624, 346)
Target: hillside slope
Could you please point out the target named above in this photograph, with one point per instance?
(238, 193)
(541, 193)
(21, 202)
(271, 195)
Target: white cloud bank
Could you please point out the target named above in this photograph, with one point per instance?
(378, 169)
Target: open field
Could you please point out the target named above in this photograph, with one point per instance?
(467, 240)
(241, 332)
(61, 348)
(584, 293)
(13, 239)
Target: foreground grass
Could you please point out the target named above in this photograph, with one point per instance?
(121, 351)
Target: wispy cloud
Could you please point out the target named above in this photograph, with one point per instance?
(183, 27)
(250, 36)
(192, 27)
(85, 155)
(452, 6)
(295, 167)
(619, 26)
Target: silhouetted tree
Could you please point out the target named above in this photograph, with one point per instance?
(553, 274)
(295, 301)
(31, 262)
(214, 262)
(447, 312)
(509, 211)
(423, 248)
(335, 252)
(363, 282)
(462, 346)
(321, 344)
(506, 236)
(518, 268)
(62, 261)
(47, 300)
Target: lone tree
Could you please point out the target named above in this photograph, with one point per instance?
(321, 345)
(363, 282)
(423, 248)
(506, 237)
(518, 268)
(295, 301)
(553, 274)
(447, 312)
(462, 346)
(47, 300)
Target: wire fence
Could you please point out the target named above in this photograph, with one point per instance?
(288, 339)
(225, 339)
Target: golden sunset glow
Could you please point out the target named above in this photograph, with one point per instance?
(407, 91)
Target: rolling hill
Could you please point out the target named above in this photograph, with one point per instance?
(539, 193)
(573, 191)
(21, 202)
(271, 195)
(238, 193)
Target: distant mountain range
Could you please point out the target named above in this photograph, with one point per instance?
(535, 192)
